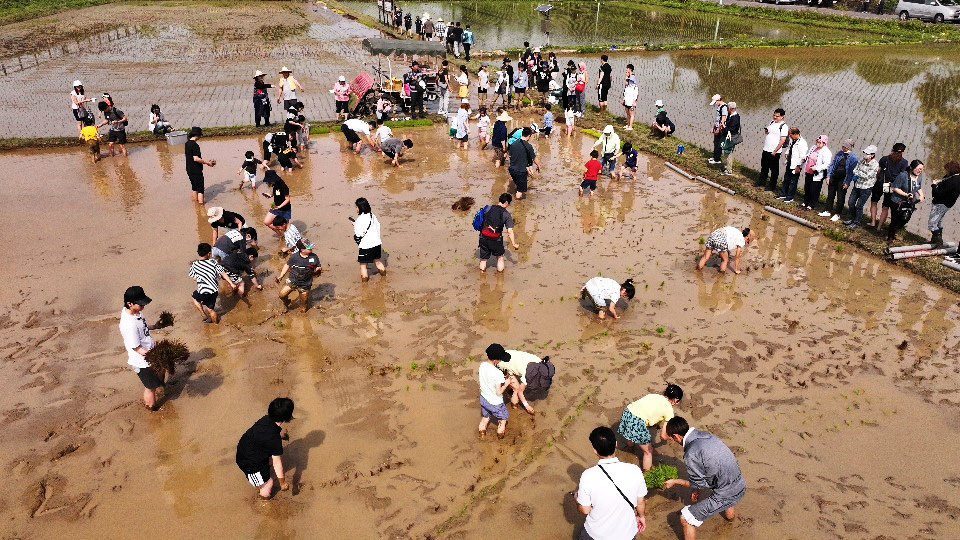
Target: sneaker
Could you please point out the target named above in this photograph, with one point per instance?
(825, 213)
(835, 218)
(726, 173)
(788, 201)
(713, 161)
(852, 226)
(781, 197)
(627, 128)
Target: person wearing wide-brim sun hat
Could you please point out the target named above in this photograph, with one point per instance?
(261, 99)
(287, 88)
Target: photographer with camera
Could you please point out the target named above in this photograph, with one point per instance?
(905, 193)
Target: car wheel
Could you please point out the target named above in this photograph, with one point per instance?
(904, 16)
(938, 18)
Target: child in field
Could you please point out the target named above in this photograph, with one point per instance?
(91, 135)
(568, 119)
(547, 128)
(483, 127)
(591, 174)
(207, 272)
(630, 162)
(248, 170)
(291, 235)
(287, 158)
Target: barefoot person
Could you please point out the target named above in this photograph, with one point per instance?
(611, 494)
(644, 413)
(281, 206)
(516, 371)
(206, 271)
(604, 293)
(303, 266)
(710, 465)
(366, 233)
(726, 241)
(496, 222)
(218, 217)
(261, 447)
(138, 342)
(393, 149)
(493, 384)
(195, 163)
(522, 157)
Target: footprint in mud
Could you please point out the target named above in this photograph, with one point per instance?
(522, 513)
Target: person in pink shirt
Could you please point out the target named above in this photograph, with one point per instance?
(341, 93)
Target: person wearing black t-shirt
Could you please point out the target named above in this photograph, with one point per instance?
(496, 222)
(281, 206)
(261, 448)
(195, 163)
(218, 217)
(604, 81)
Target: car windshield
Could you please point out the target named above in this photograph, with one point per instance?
(947, 3)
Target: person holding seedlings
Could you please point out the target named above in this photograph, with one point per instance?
(240, 263)
(195, 163)
(393, 149)
(605, 293)
(591, 174)
(218, 217)
(719, 126)
(281, 206)
(891, 166)
(303, 266)
(861, 185)
(91, 135)
(648, 411)
(260, 449)
(905, 193)
(945, 194)
(609, 146)
(516, 371)
(522, 157)
(291, 235)
(710, 465)
(496, 221)
(366, 233)
(138, 342)
(629, 168)
(117, 134)
(796, 154)
(726, 241)
(603, 490)
(774, 141)
(206, 271)
(493, 384)
(840, 169)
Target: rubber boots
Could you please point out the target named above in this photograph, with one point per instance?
(937, 238)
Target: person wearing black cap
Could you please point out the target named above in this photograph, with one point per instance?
(261, 448)
(493, 383)
(195, 163)
(138, 342)
(414, 81)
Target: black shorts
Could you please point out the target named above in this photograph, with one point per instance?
(519, 90)
(888, 202)
(77, 113)
(490, 247)
(149, 379)
(350, 134)
(481, 90)
(343, 106)
(196, 182)
(519, 179)
(602, 93)
(546, 130)
(428, 35)
(589, 184)
(258, 477)
(464, 138)
(206, 299)
(389, 154)
(119, 137)
(369, 255)
(876, 193)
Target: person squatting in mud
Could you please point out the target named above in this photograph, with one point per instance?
(604, 294)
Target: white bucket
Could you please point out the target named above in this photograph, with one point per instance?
(177, 137)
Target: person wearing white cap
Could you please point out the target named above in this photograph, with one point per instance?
(609, 146)
(288, 87)
(261, 99)
(719, 126)
(78, 103)
(861, 183)
(630, 94)
(733, 138)
(840, 169)
(662, 126)
(341, 93)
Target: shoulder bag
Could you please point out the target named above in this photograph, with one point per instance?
(356, 238)
(633, 506)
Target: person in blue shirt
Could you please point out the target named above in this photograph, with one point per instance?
(499, 135)
(547, 128)
(630, 162)
(841, 168)
(520, 82)
(467, 41)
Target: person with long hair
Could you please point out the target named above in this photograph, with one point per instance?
(905, 192)
(945, 194)
(366, 233)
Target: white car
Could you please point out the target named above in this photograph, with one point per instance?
(937, 11)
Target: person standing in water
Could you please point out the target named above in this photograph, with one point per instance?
(649, 411)
(366, 233)
(493, 383)
(195, 163)
(497, 221)
(604, 293)
(137, 341)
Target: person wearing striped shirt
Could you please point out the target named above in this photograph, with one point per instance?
(206, 271)
(291, 235)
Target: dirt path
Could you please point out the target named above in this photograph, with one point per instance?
(795, 363)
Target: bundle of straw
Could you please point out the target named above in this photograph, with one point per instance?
(165, 356)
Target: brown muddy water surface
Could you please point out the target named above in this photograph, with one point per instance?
(795, 362)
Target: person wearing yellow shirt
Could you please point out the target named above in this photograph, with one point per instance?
(91, 136)
(650, 410)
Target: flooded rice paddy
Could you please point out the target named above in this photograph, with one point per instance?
(833, 375)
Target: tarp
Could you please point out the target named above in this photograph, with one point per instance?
(404, 46)
(361, 84)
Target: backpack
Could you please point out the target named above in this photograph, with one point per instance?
(480, 217)
(540, 374)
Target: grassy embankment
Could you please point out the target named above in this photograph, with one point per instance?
(12, 11)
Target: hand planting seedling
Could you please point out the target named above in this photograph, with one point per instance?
(658, 475)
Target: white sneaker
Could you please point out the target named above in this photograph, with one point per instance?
(627, 128)
(825, 213)
(836, 217)
(713, 161)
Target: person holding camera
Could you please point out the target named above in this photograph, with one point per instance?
(905, 193)
(366, 233)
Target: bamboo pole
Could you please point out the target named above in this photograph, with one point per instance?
(791, 217)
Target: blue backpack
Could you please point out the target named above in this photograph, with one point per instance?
(479, 218)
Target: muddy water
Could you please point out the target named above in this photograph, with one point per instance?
(794, 362)
(877, 95)
(501, 25)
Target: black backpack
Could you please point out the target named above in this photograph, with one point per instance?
(540, 375)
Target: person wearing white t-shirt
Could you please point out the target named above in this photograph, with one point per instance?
(517, 368)
(353, 128)
(726, 241)
(483, 85)
(604, 293)
(630, 94)
(493, 383)
(774, 141)
(138, 342)
(383, 133)
(611, 494)
(366, 232)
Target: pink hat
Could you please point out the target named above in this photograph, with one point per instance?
(824, 139)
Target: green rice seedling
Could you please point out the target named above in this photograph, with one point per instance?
(657, 476)
(414, 366)
(661, 330)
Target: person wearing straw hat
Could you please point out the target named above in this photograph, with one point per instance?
(288, 87)
(499, 136)
(341, 93)
(261, 99)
